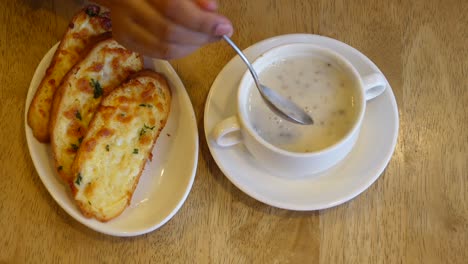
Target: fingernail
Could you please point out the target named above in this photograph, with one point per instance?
(211, 5)
(208, 5)
(223, 29)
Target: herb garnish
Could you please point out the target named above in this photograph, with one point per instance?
(78, 115)
(60, 168)
(146, 105)
(74, 147)
(107, 148)
(97, 88)
(80, 140)
(145, 129)
(135, 151)
(78, 179)
(92, 11)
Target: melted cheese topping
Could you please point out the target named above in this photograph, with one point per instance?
(107, 66)
(117, 146)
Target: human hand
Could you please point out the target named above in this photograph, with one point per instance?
(166, 29)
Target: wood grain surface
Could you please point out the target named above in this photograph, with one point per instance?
(417, 212)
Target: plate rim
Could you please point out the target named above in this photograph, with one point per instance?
(287, 205)
(185, 99)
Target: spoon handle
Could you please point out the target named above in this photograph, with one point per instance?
(244, 58)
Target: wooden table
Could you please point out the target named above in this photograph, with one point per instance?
(417, 212)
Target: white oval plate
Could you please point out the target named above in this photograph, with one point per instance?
(165, 182)
(353, 175)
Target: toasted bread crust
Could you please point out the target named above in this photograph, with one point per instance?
(118, 143)
(82, 31)
(104, 68)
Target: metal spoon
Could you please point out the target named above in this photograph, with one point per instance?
(277, 103)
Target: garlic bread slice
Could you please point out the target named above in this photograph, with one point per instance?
(106, 66)
(83, 30)
(118, 144)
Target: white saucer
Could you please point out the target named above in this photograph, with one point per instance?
(165, 182)
(339, 184)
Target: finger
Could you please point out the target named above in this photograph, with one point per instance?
(144, 42)
(147, 17)
(188, 14)
(173, 33)
(174, 52)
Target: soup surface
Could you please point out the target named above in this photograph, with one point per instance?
(321, 88)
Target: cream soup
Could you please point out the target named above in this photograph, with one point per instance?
(317, 85)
